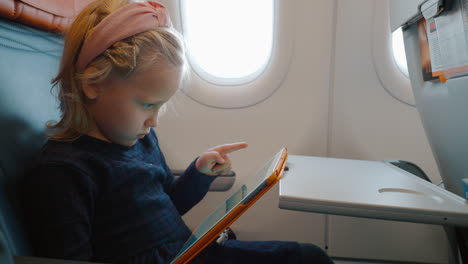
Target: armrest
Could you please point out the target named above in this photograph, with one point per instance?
(35, 260)
(221, 184)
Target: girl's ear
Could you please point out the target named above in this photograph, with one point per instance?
(90, 89)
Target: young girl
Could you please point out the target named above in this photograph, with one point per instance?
(101, 189)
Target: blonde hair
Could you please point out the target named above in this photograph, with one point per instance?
(124, 58)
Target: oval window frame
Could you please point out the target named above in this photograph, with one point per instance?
(227, 93)
(392, 79)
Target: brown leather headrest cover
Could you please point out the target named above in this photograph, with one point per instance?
(50, 15)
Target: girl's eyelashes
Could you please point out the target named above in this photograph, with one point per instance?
(150, 105)
(146, 106)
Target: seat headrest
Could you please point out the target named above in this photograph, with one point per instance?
(51, 15)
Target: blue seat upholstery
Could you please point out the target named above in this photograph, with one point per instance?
(29, 59)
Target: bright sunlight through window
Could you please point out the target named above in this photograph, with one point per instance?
(228, 39)
(399, 53)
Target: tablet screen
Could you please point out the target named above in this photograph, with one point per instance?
(243, 195)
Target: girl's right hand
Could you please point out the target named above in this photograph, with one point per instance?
(216, 160)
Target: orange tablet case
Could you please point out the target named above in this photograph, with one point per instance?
(236, 212)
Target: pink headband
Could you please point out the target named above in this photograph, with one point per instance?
(125, 22)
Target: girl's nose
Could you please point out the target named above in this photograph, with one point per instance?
(152, 121)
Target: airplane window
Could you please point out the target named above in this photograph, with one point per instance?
(388, 55)
(399, 54)
(228, 41)
(239, 51)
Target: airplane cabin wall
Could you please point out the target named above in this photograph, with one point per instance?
(295, 116)
(330, 104)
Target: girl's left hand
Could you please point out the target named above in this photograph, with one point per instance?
(216, 160)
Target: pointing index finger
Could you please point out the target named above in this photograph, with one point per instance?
(228, 148)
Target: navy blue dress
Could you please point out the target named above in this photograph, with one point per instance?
(98, 201)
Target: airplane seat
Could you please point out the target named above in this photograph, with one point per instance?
(29, 59)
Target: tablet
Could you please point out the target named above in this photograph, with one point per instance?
(231, 209)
